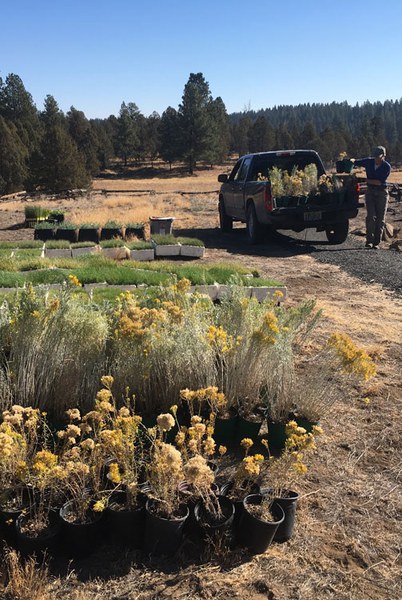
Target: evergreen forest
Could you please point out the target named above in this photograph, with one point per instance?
(48, 150)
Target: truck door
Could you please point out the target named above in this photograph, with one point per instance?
(239, 184)
(230, 187)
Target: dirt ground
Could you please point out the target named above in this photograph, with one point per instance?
(347, 543)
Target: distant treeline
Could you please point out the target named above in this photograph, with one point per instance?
(52, 151)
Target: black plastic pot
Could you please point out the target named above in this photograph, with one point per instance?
(80, 538)
(163, 536)
(125, 526)
(276, 434)
(12, 504)
(306, 423)
(88, 234)
(110, 233)
(225, 430)
(247, 428)
(138, 232)
(43, 542)
(249, 488)
(289, 506)
(208, 524)
(254, 533)
(70, 235)
(44, 234)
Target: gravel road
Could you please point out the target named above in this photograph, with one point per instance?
(382, 266)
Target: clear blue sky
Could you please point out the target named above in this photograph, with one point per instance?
(258, 54)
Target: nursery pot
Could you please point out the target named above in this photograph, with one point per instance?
(255, 533)
(163, 536)
(190, 500)
(110, 233)
(138, 232)
(306, 423)
(276, 434)
(70, 235)
(249, 488)
(47, 540)
(288, 503)
(125, 526)
(79, 538)
(88, 234)
(247, 428)
(11, 506)
(225, 430)
(44, 235)
(211, 525)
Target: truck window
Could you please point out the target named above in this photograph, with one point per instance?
(242, 172)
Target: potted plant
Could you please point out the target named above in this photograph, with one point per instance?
(34, 214)
(80, 248)
(44, 231)
(191, 247)
(141, 250)
(245, 480)
(38, 527)
(283, 471)
(56, 216)
(165, 514)
(259, 522)
(135, 231)
(110, 230)
(114, 248)
(66, 231)
(166, 245)
(57, 249)
(89, 232)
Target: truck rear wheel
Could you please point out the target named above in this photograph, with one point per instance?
(254, 227)
(338, 232)
(225, 222)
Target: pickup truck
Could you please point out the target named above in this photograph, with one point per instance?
(246, 196)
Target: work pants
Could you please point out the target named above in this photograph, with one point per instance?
(376, 206)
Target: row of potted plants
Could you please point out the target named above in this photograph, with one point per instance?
(87, 232)
(135, 250)
(107, 463)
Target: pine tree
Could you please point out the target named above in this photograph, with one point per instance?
(82, 133)
(128, 132)
(219, 130)
(194, 123)
(13, 155)
(169, 145)
(58, 165)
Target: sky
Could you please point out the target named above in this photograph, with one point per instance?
(94, 55)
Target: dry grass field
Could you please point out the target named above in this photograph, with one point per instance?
(348, 539)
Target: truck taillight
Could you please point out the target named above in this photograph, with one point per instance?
(357, 192)
(268, 198)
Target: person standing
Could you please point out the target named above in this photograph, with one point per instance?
(377, 173)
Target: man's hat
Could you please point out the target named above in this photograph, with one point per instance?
(379, 151)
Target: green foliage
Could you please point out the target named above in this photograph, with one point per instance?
(34, 211)
(57, 245)
(164, 240)
(139, 245)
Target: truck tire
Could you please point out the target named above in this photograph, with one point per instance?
(225, 222)
(254, 227)
(338, 232)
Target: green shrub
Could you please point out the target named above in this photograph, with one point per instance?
(139, 245)
(83, 245)
(45, 225)
(67, 225)
(112, 244)
(164, 240)
(112, 225)
(190, 241)
(34, 211)
(57, 245)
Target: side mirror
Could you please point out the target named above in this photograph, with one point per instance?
(222, 178)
